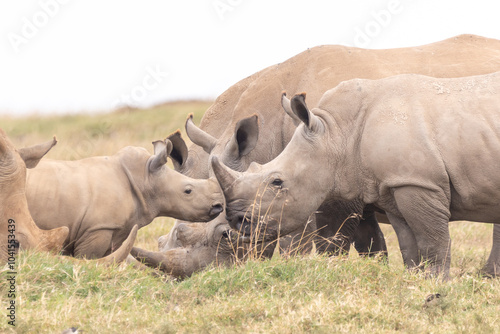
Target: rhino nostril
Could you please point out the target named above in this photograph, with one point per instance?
(216, 209)
(242, 224)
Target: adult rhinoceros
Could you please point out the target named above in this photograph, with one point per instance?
(423, 149)
(230, 129)
(17, 228)
(100, 199)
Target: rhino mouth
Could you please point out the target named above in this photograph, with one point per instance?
(243, 225)
(252, 231)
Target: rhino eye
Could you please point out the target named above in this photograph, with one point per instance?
(187, 191)
(277, 182)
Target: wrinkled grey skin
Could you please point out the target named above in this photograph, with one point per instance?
(230, 127)
(425, 150)
(100, 199)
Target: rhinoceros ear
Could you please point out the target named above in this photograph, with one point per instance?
(179, 152)
(299, 108)
(32, 155)
(198, 136)
(161, 154)
(246, 134)
(158, 146)
(285, 103)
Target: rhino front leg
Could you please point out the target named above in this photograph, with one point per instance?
(369, 239)
(94, 245)
(337, 222)
(492, 267)
(406, 239)
(427, 216)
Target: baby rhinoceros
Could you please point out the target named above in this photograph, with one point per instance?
(100, 199)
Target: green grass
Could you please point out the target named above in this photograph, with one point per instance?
(284, 295)
(310, 294)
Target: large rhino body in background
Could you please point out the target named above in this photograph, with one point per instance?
(15, 218)
(425, 150)
(100, 199)
(229, 130)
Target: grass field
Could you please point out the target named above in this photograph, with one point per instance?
(284, 295)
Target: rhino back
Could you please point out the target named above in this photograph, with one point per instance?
(320, 68)
(88, 194)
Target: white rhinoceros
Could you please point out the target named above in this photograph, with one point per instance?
(251, 109)
(194, 246)
(100, 199)
(17, 228)
(425, 150)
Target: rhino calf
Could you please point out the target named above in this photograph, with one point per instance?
(425, 150)
(191, 247)
(17, 228)
(100, 199)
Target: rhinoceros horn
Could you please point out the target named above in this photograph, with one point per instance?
(123, 251)
(176, 262)
(198, 136)
(224, 174)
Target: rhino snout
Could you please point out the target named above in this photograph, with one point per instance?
(240, 222)
(215, 210)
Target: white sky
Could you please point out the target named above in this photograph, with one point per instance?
(89, 55)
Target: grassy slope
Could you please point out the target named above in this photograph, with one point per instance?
(312, 294)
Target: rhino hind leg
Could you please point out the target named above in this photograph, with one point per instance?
(492, 266)
(94, 245)
(369, 239)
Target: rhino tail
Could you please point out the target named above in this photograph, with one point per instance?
(123, 251)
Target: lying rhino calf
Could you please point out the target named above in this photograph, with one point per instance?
(190, 247)
(100, 199)
(15, 219)
(425, 150)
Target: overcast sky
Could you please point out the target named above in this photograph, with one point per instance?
(87, 55)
